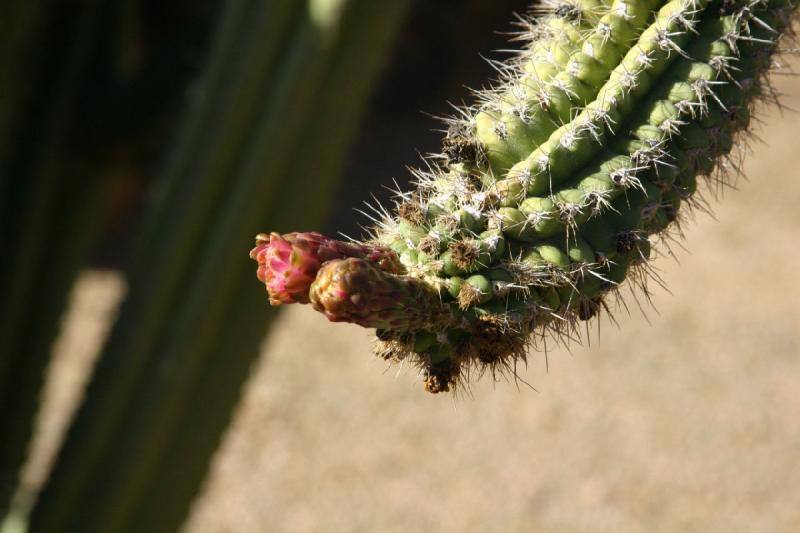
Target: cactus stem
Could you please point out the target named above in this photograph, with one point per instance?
(553, 188)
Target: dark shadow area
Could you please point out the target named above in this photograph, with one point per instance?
(439, 58)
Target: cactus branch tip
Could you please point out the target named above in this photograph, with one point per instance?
(558, 186)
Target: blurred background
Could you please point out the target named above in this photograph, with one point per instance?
(145, 384)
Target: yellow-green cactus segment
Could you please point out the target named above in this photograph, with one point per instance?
(652, 108)
(681, 97)
(573, 144)
(562, 74)
(667, 113)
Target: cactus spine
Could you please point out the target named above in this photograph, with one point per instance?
(555, 186)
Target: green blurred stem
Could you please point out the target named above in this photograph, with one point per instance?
(338, 105)
(173, 232)
(42, 267)
(171, 373)
(18, 28)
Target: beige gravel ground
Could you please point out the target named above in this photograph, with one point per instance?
(687, 423)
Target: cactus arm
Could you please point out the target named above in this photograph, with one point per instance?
(533, 218)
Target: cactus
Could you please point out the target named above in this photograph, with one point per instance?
(52, 192)
(563, 180)
(189, 331)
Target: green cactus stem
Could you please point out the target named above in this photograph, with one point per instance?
(562, 181)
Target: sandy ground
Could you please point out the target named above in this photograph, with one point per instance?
(687, 422)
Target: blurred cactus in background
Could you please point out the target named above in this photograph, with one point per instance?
(260, 111)
(77, 117)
